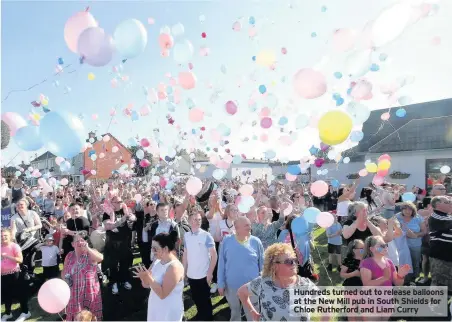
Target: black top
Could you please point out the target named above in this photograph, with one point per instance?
(142, 220)
(352, 264)
(358, 234)
(440, 226)
(124, 232)
(77, 224)
(275, 215)
(17, 194)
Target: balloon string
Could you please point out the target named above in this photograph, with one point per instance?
(39, 83)
(323, 264)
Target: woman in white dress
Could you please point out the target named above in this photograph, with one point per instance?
(165, 279)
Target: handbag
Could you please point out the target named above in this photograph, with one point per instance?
(306, 270)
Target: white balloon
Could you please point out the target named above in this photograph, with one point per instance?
(358, 63)
(183, 51)
(391, 23)
(140, 154)
(359, 112)
(178, 30)
(445, 169)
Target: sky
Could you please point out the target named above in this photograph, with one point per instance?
(32, 41)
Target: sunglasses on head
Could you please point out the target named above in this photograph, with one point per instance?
(383, 245)
(288, 261)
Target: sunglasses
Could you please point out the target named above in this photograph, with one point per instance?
(383, 246)
(288, 262)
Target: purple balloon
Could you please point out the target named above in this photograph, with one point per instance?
(95, 46)
(324, 146)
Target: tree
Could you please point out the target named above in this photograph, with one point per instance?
(140, 171)
(198, 153)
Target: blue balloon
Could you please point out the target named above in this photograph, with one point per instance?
(409, 196)
(135, 116)
(237, 159)
(63, 134)
(253, 58)
(336, 96)
(356, 136)
(335, 183)
(283, 121)
(270, 154)
(401, 112)
(374, 68)
(28, 138)
(252, 20)
(294, 169)
(338, 75)
(299, 225)
(383, 57)
(60, 61)
(311, 214)
(339, 101)
(130, 38)
(262, 89)
(132, 142)
(314, 34)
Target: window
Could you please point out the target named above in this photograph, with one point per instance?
(434, 175)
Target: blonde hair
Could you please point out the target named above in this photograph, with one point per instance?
(27, 203)
(85, 316)
(370, 241)
(271, 254)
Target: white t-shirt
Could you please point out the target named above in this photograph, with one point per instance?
(27, 221)
(342, 208)
(197, 247)
(49, 255)
(225, 229)
(214, 226)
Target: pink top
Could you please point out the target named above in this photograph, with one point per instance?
(376, 270)
(9, 265)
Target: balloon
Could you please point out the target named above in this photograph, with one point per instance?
(390, 24)
(138, 197)
(14, 121)
(382, 173)
(409, 196)
(384, 157)
(384, 164)
(196, 115)
(114, 149)
(266, 58)
(145, 143)
(243, 208)
(371, 167)
(363, 173)
(28, 138)
(178, 30)
(359, 112)
(231, 107)
(385, 116)
(301, 121)
(53, 296)
(358, 62)
(183, 51)
(65, 166)
(299, 225)
(63, 134)
(378, 180)
(64, 182)
(356, 136)
(344, 39)
(445, 169)
(294, 169)
(319, 188)
(266, 122)
(218, 174)
(131, 38)
(309, 83)
(187, 80)
(75, 26)
(311, 214)
(193, 186)
(362, 90)
(334, 127)
(246, 190)
(335, 183)
(325, 219)
(165, 41)
(247, 200)
(140, 154)
(290, 177)
(95, 46)
(145, 163)
(401, 112)
(288, 208)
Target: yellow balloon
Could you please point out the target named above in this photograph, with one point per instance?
(334, 127)
(91, 76)
(371, 167)
(384, 165)
(266, 58)
(45, 102)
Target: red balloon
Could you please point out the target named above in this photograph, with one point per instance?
(145, 143)
(382, 173)
(144, 163)
(203, 35)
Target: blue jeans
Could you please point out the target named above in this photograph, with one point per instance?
(415, 252)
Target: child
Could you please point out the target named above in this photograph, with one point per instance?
(334, 234)
(85, 316)
(50, 258)
(350, 265)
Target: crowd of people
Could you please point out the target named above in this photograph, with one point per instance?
(204, 241)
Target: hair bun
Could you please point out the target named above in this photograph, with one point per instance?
(174, 235)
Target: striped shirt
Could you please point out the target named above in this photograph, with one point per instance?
(440, 225)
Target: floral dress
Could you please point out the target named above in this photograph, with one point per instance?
(81, 275)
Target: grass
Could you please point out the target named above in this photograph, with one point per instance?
(132, 305)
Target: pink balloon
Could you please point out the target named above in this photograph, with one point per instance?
(94, 117)
(309, 83)
(58, 160)
(319, 162)
(378, 180)
(144, 163)
(246, 190)
(237, 26)
(385, 116)
(166, 41)
(145, 110)
(64, 182)
(95, 46)
(196, 115)
(264, 137)
(344, 39)
(361, 91)
(14, 121)
(106, 138)
(290, 177)
(53, 296)
(193, 186)
(325, 219)
(363, 173)
(152, 96)
(162, 95)
(114, 149)
(138, 197)
(384, 157)
(231, 107)
(74, 27)
(266, 122)
(319, 188)
(101, 155)
(382, 172)
(93, 172)
(265, 112)
(190, 66)
(145, 143)
(187, 80)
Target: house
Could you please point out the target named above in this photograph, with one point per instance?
(419, 145)
(106, 161)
